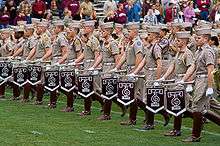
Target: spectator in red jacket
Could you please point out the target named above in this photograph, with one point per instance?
(38, 9)
(120, 15)
(4, 18)
(169, 13)
(203, 6)
(11, 8)
(74, 6)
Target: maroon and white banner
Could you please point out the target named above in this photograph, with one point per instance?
(5, 71)
(67, 80)
(35, 74)
(109, 88)
(155, 99)
(126, 92)
(51, 80)
(20, 75)
(175, 102)
(85, 85)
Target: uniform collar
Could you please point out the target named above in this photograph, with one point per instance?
(205, 46)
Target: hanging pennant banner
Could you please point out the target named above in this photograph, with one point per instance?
(51, 80)
(35, 74)
(175, 102)
(67, 80)
(155, 99)
(85, 85)
(126, 92)
(109, 88)
(5, 70)
(20, 75)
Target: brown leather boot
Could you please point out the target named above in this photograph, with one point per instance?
(142, 106)
(69, 103)
(40, 94)
(27, 89)
(177, 123)
(107, 107)
(87, 107)
(173, 133)
(53, 99)
(212, 116)
(104, 117)
(197, 128)
(132, 114)
(16, 92)
(2, 91)
(177, 127)
(149, 122)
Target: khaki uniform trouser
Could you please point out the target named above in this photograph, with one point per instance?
(199, 100)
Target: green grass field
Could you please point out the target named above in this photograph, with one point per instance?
(27, 124)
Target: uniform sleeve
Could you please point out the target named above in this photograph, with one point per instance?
(47, 42)
(138, 47)
(63, 42)
(10, 46)
(78, 45)
(157, 52)
(189, 59)
(33, 43)
(209, 57)
(96, 45)
(114, 48)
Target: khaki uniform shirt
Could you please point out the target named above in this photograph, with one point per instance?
(133, 48)
(75, 47)
(6, 47)
(91, 47)
(109, 50)
(29, 44)
(204, 56)
(59, 42)
(44, 42)
(164, 44)
(19, 43)
(183, 60)
(152, 53)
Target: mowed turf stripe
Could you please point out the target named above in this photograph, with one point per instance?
(118, 113)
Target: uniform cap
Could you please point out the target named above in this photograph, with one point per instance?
(133, 25)
(183, 34)
(203, 31)
(74, 24)
(107, 25)
(88, 23)
(187, 24)
(58, 23)
(119, 25)
(154, 29)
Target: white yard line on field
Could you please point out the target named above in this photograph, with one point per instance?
(118, 113)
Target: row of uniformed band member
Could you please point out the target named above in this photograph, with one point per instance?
(114, 49)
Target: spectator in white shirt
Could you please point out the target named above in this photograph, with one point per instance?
(150, 18)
